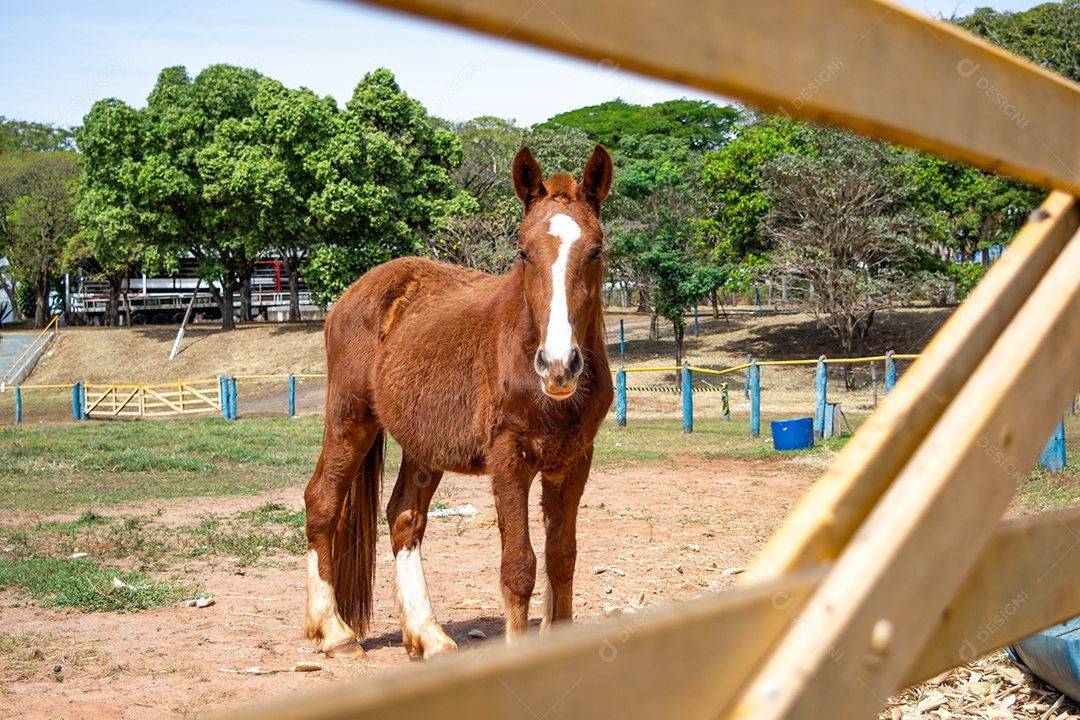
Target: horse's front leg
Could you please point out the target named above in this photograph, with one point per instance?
(510, 481)
(560, 499)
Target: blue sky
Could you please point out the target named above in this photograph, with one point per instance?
(57, 58)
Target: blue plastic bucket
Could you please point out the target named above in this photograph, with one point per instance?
(795, 434)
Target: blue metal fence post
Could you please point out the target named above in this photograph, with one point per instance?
(75, 402)
(820, 390)
(687, 400)
(292, 395)
(755, 400)
(1053, 455)
(223, 396)
(695, 318)
(620, 398)
(890, 372)
(725, 402)
(232, 397)
(757, 299)
(622, 339)
(746, 377)
(82, 400)
(18, 404)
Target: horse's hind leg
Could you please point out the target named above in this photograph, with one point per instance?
(406, 513)
(345, 445)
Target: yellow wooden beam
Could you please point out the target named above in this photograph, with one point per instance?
(878, 605)
(830, 513)
(868, 65)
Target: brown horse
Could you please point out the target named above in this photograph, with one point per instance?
(470, 373)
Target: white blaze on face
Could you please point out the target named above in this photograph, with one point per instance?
(559, 333)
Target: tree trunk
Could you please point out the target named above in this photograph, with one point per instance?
(654, 327)
(643, 298)
(224, 299)
(9, 290)
(294, 292)
(245, 291)
(112, 307)
(679, 331)
(715, 302)
(41, 314)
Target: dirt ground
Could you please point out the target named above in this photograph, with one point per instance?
(647, 535)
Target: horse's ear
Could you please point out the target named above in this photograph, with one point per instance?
(528, 178)
(596, 180)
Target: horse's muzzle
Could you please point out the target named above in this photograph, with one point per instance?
(558, 377)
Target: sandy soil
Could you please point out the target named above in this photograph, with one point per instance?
(665, 531)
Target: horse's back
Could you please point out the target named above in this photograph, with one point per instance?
(404, 342)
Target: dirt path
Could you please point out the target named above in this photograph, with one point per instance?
(664, 531)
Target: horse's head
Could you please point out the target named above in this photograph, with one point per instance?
(560, 247)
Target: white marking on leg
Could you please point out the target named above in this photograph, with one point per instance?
(549, 608)
(558, 340)
(419, 628)
(321, 617)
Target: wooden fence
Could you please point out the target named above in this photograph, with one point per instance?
(142, 400)
(896, 563)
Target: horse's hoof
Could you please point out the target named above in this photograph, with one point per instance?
(349, 648)
(444, 645)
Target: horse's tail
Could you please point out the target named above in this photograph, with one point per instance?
(356, 539)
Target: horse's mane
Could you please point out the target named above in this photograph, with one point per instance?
(561, 185)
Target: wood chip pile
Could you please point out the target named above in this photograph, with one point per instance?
(992, 688)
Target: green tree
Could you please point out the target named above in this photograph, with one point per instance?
(111, 142)
(1047, 34)
(18, 135)
(40, 218)
(385, 180)
(667, 254)
(701, 125)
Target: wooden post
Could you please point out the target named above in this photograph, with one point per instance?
(755, 400)
(620, 398)
(1053, 455)
(820, 388)
(687, 400)
(180, 398)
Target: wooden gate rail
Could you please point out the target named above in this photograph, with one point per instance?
(184, 397)
(895, 567)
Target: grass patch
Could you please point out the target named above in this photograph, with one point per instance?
(246, 542)
(82, 585)
(52, 468)
(654, 440)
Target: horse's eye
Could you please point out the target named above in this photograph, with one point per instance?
(596, 254)
(523, 255)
